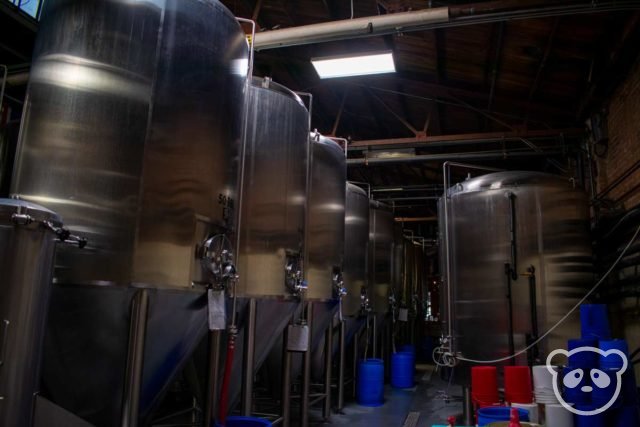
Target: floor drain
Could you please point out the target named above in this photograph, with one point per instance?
(412, 419)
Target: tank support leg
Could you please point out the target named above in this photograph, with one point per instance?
(328, 352)
(286, 381)
(341, 364)
(211, 404)
(306, 378)
(249, 350)
(135, 358)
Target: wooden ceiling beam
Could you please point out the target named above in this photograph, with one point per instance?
(545, 58)
(438, 44)
(470, 137)
(495, 66)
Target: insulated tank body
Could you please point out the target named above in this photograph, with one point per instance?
(381, 255)
(274, 195)
(131, 133)
(536, 225)
(325, 245)
(356, 242)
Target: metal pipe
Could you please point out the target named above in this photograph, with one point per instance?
(345, 143)
(487, 155)
(508, 271)
(249, 350)
(17, 79)
(135, 359)
(446, 168)
(307, 216)
(351, 28)
(374, 339)
(512, 236)
(286, 381)
(328, 351)
(341, 364)
(467, 407)
(355, 361)
(211, 404)
(306, 376)
(4, 83)
(421, 20)
(243, 149)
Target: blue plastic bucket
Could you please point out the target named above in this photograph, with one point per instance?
(246, 422)
(594, 321)
(403, 366)
(499, 413)
(370, 382)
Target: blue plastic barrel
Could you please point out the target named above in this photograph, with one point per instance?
(494, 414)
(246, 422)
(370, 382)
(403, 366)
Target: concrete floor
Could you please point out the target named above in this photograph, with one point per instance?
(426, 398)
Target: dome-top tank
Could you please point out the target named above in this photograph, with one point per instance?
(325, 244)
(356, 242)
(381, 254)
(537, 226)
(274, 191)
(131, 133)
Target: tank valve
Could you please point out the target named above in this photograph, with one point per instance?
(217, 259)
(293, 279)
(365, 306)
(338, 284)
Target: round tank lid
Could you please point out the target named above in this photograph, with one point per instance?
(353, 188)
(267, 83)
(379, 205)
(9, 207)
(318, 138)
(498, 180)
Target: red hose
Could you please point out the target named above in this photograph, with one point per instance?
(224, 393)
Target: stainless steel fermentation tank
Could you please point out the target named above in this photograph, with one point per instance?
(381, 263)
(325, 236)
(272, 225)
(381, 242)
(27, 248)
(131, 133)
(523, 234)
(324, 261)
(356, 243)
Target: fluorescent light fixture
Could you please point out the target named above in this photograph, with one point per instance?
(355, 65)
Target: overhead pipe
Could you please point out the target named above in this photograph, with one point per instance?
(351, 28)
(488, 155)
(424, 19)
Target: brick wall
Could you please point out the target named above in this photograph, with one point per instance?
(624, 142)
